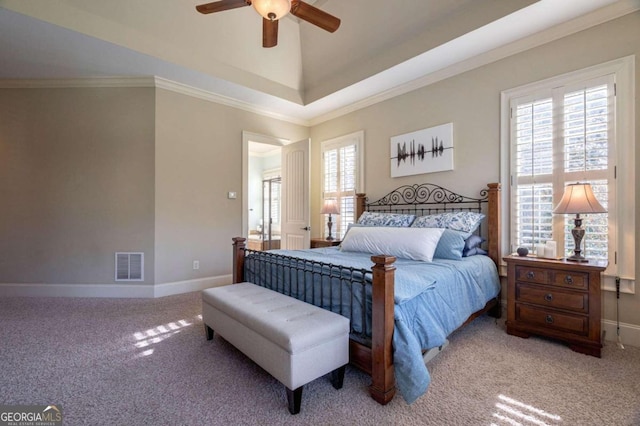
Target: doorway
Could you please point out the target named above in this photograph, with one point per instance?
(294, 192)
(261, 161)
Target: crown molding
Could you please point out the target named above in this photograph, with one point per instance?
(89, 82)
(150, 81)
(224, 100)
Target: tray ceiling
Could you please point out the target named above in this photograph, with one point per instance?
(380, 47)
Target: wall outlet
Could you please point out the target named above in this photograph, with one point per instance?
(196, 264)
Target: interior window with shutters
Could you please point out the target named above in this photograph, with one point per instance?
(342, 160)
(582, 122)
(567, 130)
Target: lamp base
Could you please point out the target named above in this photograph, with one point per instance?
(577, 258)
(578, 235)
(329, 225)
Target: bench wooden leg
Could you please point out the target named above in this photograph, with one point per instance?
(209, 332)
(337, 377)
(294, 398)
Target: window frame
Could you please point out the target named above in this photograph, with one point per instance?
(357, 139)
(622, 202)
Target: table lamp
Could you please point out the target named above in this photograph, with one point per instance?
(578, 199)
(330, 207)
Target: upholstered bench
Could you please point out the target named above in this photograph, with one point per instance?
(293, 341)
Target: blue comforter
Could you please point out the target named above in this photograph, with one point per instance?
(431, 301)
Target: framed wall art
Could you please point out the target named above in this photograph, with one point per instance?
(423, 151)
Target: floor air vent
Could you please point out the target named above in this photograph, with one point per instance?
(129, 266)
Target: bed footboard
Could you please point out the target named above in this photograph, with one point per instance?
(373, 355)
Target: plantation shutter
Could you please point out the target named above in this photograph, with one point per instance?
(341, 170)
(560, 136)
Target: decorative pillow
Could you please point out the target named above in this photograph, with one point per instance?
(474, 251)
(407, 243)
(457, 221)
(472, 242)
(451, 245)
(386, 219)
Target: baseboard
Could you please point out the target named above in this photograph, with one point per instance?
(179, 287)
(111, 290)
(629, 333)
(76, 290)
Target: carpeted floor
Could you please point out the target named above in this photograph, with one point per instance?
(146, 361)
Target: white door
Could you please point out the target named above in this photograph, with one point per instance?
(295, 231)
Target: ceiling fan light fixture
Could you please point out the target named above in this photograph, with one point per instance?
(272, 9)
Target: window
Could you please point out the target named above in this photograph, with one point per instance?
(559, 139)
(342, 171)
(573, 128)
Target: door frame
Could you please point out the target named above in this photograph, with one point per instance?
(246, 138)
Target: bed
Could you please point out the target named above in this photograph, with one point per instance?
(398, 307)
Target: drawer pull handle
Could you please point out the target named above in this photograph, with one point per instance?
(548, 297)
(568, 279)
(530, 275)
(549, 319)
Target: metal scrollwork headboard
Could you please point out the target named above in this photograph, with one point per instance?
(426, 198)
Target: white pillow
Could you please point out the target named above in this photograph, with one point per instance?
(407, 243)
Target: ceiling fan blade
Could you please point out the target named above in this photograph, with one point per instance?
(314, 16)
(219, 6)
(269, 33)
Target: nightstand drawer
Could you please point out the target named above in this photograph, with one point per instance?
(548, 318)
(576, 280)
(553, 298)
(532, 275)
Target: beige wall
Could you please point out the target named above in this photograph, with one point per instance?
(472, 102)
(198, 161)
(76, 183)
(88, 172)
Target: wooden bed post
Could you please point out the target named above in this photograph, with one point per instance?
(361, 204)
(494, 237)
(238, 259)
(383, 385)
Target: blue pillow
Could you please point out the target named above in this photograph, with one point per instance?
(474, 251)
(451, 245)
(472, 246)
(472, 242)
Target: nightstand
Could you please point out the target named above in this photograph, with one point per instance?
(556, 299)
(321, 242)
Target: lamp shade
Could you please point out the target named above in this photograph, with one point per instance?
(330, 207)
(578, 198)
(272, 9)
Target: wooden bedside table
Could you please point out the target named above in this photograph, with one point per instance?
(556, 299)
(321, 242)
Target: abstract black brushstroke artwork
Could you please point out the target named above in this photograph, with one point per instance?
(424, 151)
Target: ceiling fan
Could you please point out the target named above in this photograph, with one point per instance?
(272, 11)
